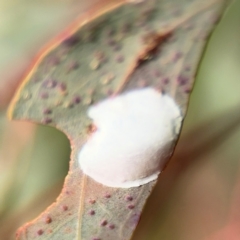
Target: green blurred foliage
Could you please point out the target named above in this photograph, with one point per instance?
(197, 197)
(32, 171)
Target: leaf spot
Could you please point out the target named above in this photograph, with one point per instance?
(111, 226)
(131, 206)
(104, 223)
(107, 196)
(92, 212)
(64, 207)
(40, 232)
(47, 111)
(48, 220)
(92, 201)
(129, 198)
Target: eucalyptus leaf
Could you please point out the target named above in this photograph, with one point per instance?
(120, 47)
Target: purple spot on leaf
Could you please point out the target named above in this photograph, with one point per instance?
(165, 80)
(92, 212)
(104, 223)
(182, 80)
(40, 232)
(129, 198)
(111, 226)
(47, 111)
(71, 41)
(131, 206)
(76, 99)
(177, 56)
(49, 83)
(64, 207)
(107, 195)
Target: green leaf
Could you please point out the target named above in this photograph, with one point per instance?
(120, 47)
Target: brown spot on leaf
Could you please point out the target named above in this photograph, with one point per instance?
(91, 129)
(48, 220)
(92, 201)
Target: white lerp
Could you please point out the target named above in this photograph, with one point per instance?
(134, 136)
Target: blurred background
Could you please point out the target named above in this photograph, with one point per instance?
(198, 195)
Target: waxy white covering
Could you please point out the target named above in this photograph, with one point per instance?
(134, 136)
